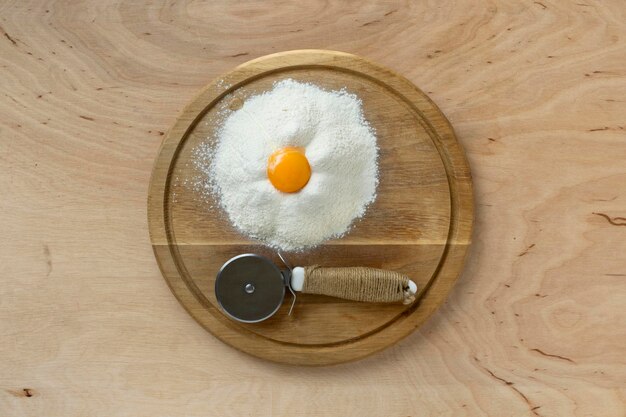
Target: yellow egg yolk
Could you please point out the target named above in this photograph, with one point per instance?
(288, 169)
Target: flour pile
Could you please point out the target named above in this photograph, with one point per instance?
(339, 144)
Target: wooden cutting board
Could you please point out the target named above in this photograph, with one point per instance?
(420, 223)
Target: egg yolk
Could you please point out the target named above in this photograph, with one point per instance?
(288, 170)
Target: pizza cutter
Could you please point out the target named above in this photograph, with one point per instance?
(250, 288)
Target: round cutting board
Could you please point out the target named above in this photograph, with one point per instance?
(420, 223)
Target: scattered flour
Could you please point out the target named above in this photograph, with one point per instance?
(338, 143)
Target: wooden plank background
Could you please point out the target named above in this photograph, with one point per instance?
(536, 91)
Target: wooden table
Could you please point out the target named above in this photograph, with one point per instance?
(536, 326)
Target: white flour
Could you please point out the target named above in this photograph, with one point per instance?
(338, 143)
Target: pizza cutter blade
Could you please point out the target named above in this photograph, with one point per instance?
(250, 288)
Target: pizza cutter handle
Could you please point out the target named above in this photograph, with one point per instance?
(355, 283)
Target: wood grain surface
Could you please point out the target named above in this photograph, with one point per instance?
(536, 93)
(419, 225)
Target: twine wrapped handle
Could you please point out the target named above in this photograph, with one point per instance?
(359, 284)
